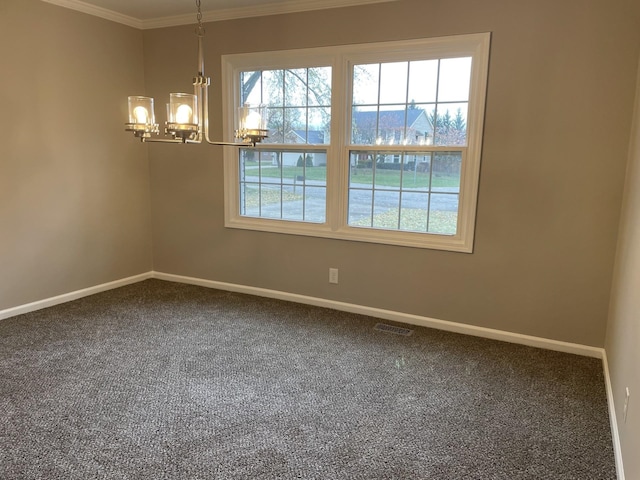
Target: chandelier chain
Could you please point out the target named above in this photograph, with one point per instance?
(200, 29)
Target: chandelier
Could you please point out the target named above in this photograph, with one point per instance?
(188, 114)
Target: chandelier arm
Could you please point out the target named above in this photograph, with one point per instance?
(197, 90)
(205, 113)
(203, 93)
(233, 144)
(161, 140)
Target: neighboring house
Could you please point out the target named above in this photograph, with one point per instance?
(391, 127)
(293, 159)
(315, 137)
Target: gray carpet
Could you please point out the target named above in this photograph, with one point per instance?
(166, 381)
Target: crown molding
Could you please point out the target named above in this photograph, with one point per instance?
(98, 12)
(289, 6)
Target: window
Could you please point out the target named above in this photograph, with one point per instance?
(375, 142)
(287, 184)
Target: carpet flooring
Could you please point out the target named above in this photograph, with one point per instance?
(159, 380)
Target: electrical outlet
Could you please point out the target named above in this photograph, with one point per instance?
(626, 403)
(333, 275)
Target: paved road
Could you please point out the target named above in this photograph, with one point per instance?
(360, 200)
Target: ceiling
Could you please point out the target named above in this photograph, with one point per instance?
(162, 13)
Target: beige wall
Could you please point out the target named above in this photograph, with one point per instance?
(559, 107)
(623, 333)
(74, 188)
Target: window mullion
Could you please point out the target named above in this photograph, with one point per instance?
(337, 153)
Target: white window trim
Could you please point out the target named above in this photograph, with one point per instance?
(341, 59)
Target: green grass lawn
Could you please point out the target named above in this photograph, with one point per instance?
(392, 178)
(383, 178)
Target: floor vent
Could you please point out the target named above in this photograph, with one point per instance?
(383, 327)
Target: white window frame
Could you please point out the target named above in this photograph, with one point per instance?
(341, 59)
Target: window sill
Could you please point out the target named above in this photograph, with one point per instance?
(452, 243)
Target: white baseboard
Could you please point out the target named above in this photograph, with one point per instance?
(531, 341)
(408, 318)
(617, 450)
(67, 297)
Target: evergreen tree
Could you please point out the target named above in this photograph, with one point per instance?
(449, 130)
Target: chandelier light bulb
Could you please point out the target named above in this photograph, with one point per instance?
(141, 114)
(184, 114)
(253, 121)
